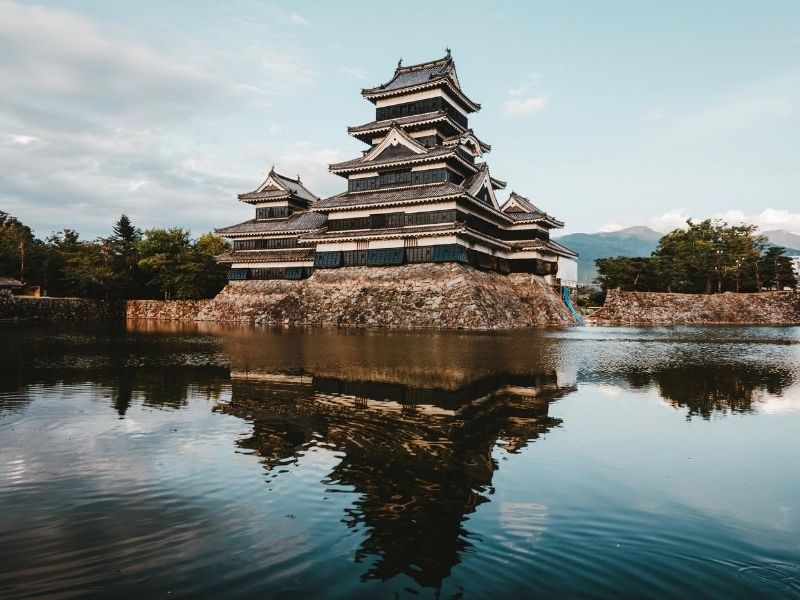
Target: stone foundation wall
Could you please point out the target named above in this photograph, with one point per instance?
(165, 310)
(55, 309)
(422, 295)
(449, 296)
(649, 308)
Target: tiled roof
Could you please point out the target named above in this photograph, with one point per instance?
(270, 194)
(356, 163)
(304, 221)
(544, 244)
(524, 204)
(442, 70)
(435, 115)
(556, 247)
(473, 183)
(416, 75)
(431, 191)
(293, 188)
(297, 188)
(456, 139)
(389, 232)
(251, 256)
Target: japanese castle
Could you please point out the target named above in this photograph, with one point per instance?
(419, 193)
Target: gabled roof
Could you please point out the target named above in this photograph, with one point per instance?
(480, 180)
(363, 164)
(395, 137)
(304, 221)
(521, 209)
(517, 203)
(377, 127)
(278, 187)
(440, 72)
(468, 138)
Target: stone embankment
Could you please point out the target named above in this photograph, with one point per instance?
(448, 296)
(55, 309)
(165, 310)
(649, 308)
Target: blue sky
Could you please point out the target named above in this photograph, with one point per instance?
(606, 114)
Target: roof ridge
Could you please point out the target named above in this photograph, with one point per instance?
(423, 65)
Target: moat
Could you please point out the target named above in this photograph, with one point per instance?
(187, 460)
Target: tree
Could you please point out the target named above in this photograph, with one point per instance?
(162, 257)
(707, 257)
(778, 272)
(21, 254)
(124, 250)
(180, 268)
(626, 273)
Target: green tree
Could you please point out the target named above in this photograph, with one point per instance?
(778, 272)
(626, 273)
(706, 257)
(78, 268)
(179, 268)
(129, 281)
(21, 254)
(163, 254)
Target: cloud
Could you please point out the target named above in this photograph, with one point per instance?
(354, 72)
(94, 124)
(767, 219)
(523, 102)
(524, 107)
(670, 220)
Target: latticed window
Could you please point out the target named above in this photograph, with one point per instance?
(269, 273)
(386, 256)
(398, 177)
(293, 273)
(237, 274)
(265, 244)
(354, 258)
(328, 260)
(419, 107)
(348, 224)
(450, 253)
(420, 254)
(273, 212)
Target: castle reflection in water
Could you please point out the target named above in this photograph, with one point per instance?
(420, 459)
(417, 421)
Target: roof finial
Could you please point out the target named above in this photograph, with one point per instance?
(298, 178)
(400, 62)
(272, 169)
(448, 51)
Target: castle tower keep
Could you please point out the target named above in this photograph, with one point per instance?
(421, 192)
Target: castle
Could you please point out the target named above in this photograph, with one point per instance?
(420, 193)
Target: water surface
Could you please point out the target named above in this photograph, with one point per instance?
(185, 460)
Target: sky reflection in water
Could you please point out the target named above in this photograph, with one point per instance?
(234, 461)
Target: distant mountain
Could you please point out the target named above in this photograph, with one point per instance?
(631, 241)
(640, 241)
(787, 239)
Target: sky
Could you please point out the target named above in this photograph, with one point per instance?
(605, 114)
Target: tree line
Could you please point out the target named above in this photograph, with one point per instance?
(129, 263)
(707, 257)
